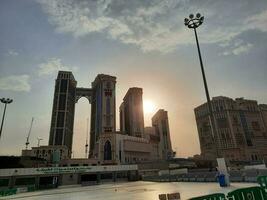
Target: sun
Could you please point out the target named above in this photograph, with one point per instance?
(149, 107)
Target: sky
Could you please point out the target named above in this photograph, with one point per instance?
(144, 43)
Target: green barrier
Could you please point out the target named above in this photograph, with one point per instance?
(262, 180)
(216, 196)
(8, 192)
(251, 193)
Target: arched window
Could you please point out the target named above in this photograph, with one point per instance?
(107, 151)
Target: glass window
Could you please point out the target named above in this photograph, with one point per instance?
(63, 85)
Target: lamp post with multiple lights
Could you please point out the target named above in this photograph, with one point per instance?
(4, 101)
(193, 22)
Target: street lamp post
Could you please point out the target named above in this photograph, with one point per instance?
(5, 101)
(193, 23)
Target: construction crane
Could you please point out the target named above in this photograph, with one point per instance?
(86, 144)
(27, 140)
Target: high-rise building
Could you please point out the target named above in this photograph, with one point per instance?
(263, 110)
(103, 113)
(131, 113)
(131, 145)
(240, 128)
(66, 94)
(61, 130)
(160, 122)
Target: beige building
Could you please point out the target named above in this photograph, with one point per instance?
(50, 153)
(118, 148)
(241, 130)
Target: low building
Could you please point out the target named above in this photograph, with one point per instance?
(118, 148)
(51, 177)
(51, 153)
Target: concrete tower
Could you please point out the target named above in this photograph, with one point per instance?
(61, 130)
(103, 113)
(131, 113)
(102, 99)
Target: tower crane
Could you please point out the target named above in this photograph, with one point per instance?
(27, 140)
(86, 144)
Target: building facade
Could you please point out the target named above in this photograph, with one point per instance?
(62, 120)
(154, 141)
(131, 113)
(103, 113)
(51, 154)
(240, 128)
(160, 122)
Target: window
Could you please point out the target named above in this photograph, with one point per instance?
(107, 150)
(222, 123)
(235, 120)
(108, 85)
(63, 85)
(60, 119)
(255, 125)
(58, 139)
(62, 101)
(108, 106)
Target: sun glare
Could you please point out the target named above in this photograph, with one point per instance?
(149, 107)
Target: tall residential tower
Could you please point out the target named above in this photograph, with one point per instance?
(131, 113)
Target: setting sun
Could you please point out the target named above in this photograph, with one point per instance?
(149, 107)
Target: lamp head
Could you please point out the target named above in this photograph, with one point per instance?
(186, 20)
(198, 15)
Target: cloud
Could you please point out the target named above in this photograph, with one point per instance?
(15, 83)
(237, 48)
(53, 65)
(155, 24)
(12, 52)
(258, 21)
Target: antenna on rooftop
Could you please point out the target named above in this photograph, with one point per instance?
(86, 145)
(27, 140)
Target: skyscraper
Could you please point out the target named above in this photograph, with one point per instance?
(131, 113)
(103, 113)
(61, 130)
(66, 94)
